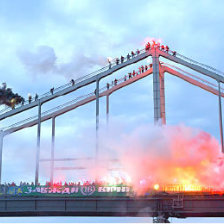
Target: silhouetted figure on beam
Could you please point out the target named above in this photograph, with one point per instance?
(73, 82)
(132, 54)
(36, 97)
(29, 98)
(52, 90)
(117, 61)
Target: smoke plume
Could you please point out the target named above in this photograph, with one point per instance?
(9, 98)
(153, 155)
(44, 60)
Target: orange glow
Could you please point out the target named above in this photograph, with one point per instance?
(116, 179)
(151, 40)
(156, 187)
(182, 188)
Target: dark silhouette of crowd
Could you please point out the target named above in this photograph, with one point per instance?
(130, 75)
(117, 61)
(61, 184)
(148, 47)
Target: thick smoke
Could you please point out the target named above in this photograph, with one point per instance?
(9, 98)
(166, 155)
(150, 155)
(44, 60)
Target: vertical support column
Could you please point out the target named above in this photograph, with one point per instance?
(38, 144)
(220, 118)
(1, 148)
(97, 120)
(52, 150)
(107, 108)
(156, 88)
(162, 97)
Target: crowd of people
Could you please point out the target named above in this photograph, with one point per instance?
(130, 75)
(130, 55)
(165, 48)
(61, 184)
(122, 58)
(148, 46)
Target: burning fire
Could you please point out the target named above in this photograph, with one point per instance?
(151, 40)
(170, 158)
(167, 158)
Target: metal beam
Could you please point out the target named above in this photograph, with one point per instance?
(162, 97)
(66, 159)
(38, 144)
(75, 105)
(83, 81)
(156, 88)
(220, 118)
(193, 66)
(197, 205)
(97, 123)
(1, 148)
(191, 81)
(70, 168)
(52, 150)
(107, 108)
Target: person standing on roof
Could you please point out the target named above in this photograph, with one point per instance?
(134, 73)
(13, 103)
(117, 61)
(29, 98)
(122, 59)
(52, 90)
(128, 56)
(140, 70)
(73, 82)
(132, 54)
(147, 46)
(109, 63)
(167, 49)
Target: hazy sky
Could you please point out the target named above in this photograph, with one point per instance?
(45, 43)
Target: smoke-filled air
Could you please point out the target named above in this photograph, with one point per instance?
(153, 156)
(44, 61)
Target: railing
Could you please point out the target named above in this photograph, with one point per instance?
(78, 80)
(194, 76)
(33, 118)
(198, 63)
(113, 63)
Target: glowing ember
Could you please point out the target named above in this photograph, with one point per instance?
(156, 187)
(151, 40)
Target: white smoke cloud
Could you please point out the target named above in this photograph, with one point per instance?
(45, 61)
